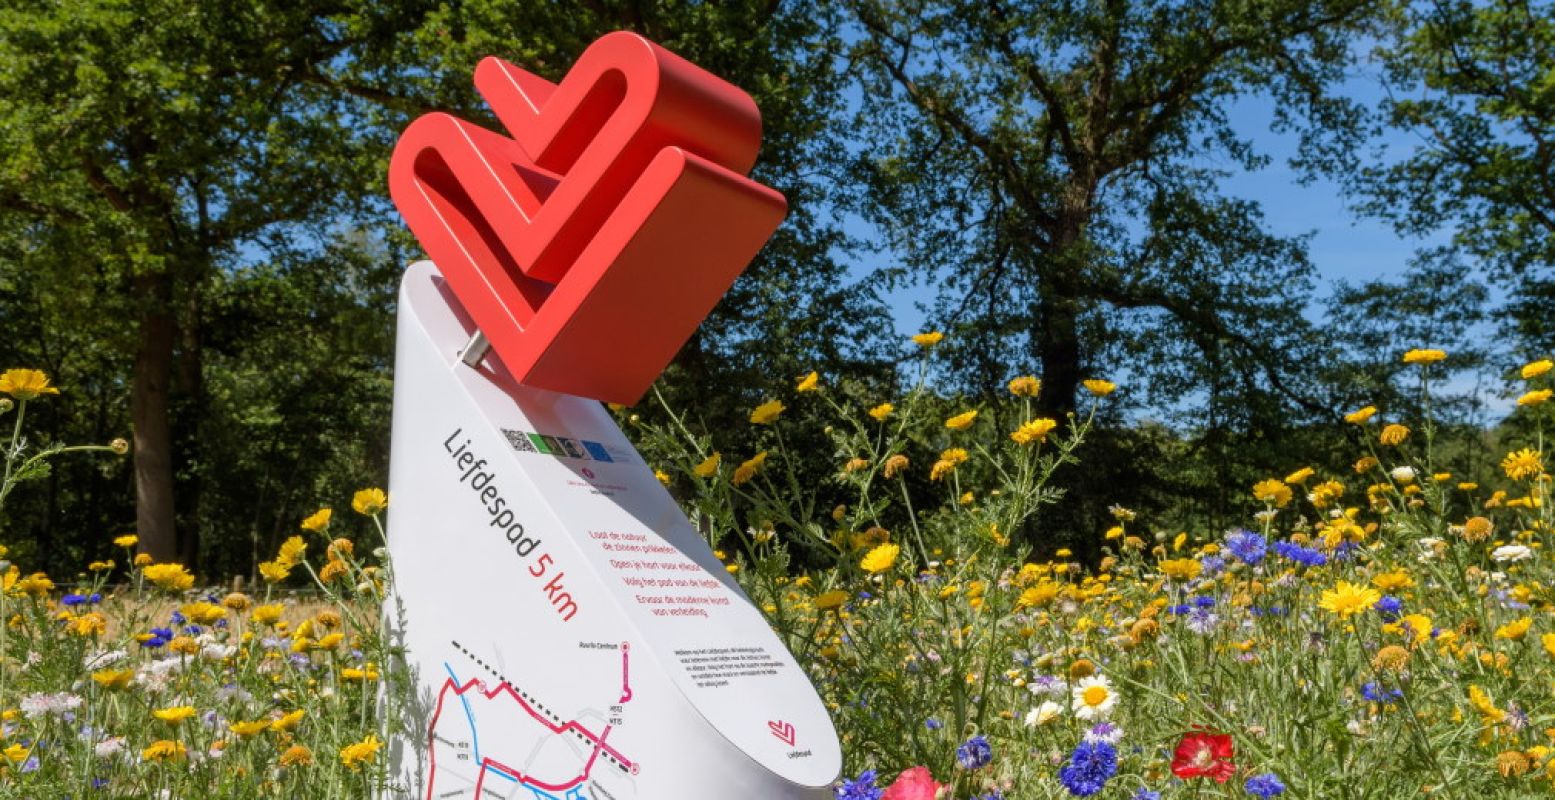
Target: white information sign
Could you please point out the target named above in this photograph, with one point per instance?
(571, 635)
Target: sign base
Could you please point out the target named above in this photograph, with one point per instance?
(569, 634)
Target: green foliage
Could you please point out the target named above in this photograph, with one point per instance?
(1473, 82)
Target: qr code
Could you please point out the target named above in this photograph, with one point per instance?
(519, 440)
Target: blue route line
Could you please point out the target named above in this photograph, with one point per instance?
(475, 738)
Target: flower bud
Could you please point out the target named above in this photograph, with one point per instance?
(119, 446)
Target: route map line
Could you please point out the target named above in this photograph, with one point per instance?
(539, 713)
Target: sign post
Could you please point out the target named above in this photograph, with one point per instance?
(569, 632)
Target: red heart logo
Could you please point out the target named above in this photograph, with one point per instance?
(589, 243)
(784, 731)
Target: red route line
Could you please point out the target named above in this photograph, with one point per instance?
(488, 763)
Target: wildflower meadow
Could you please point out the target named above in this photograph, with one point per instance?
(1374, 634)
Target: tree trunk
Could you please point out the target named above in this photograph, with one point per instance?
(154, 515)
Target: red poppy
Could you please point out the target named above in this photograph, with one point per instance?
(1204, 755)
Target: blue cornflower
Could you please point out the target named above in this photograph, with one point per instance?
(1181, 608)
(193, 630)
(974, 753)
(933, 724)
(162, 633)
(1247, 546)
(1146, 794)
(860, 788)
(177, 618)
(1212, 565)
(1389, 607)
(1204, 601)
(94, 598)
(1305, 556)
(1265, 785)
(1090, 766)
(153, 643)
(1376, 694)
(73, 599)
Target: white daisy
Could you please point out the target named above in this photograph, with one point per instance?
(1043, 714)
(1093, 698)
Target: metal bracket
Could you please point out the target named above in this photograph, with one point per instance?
(473, 352)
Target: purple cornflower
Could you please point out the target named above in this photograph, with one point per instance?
(1248, 547)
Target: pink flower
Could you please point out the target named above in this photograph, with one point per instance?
(913, 784)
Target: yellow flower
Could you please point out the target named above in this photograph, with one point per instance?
(748, 469)
(1347, 599)
(1485, 706)
(169, 576)
(237, 601)
(661, 476)
(128, 540)
(947, 463)
(1524, 463)
(113, 678)
(174, 714)
(101, 566)
(93, 624)
(274, 571)
(1039, 594)
(1035, 430)
(17, 753)
(1535, 397)
(1515, 630)
(296, 756)
(247, 729)
(882, 411)
(267, 614)
(962, 421)
(808, 383)
(1362, 416)
(36, 584)
(1099, 387)
(354, 755)
(318, 521)
(142, 559)
(880, 559)
(1548, 640)
(164, 750)
(356, 674)
(709, 466)
(1393, 581)
(203, 612)
(1300, 475)
(1181, 569)
(369, 501)
(767, 413)
(1026, 386)
(927, 340)
(291, 551)
(894, 465)
(1423, 356)
(1393, 435)
(25, 384)
(1273, 492)
(287, 722)
(1534, 369)
(828, 600)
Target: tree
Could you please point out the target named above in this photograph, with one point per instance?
(1473, 80)
(194, 224)
(153, 147)
(1047, 165)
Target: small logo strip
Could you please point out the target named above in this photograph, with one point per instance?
(784, 731)
(559, 446)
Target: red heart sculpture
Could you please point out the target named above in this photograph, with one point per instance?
(589, 245)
